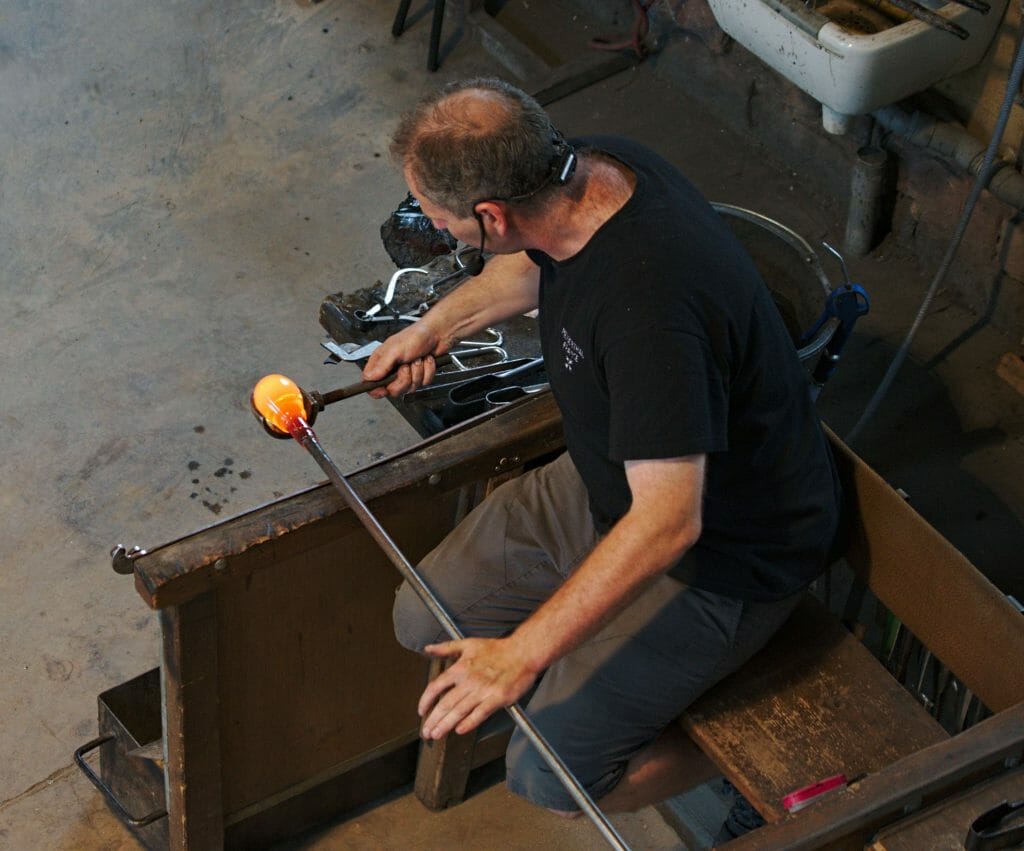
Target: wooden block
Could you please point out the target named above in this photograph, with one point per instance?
(444, 765)
(1011, 370)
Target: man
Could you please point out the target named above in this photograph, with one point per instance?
(697, 499)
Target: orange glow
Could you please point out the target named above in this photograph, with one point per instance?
(281, 404)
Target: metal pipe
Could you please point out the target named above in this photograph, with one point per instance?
(306, 438)
(953, 141)
(929, 17)
(867, 183)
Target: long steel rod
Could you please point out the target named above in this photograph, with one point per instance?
(307, 439)
(931, 18)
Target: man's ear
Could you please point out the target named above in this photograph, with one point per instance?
(494, 214)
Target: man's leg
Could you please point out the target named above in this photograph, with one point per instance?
(505, 559)
(668, 766)
(608, 707)
(671, 764)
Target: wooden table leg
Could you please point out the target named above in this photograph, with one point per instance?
(191, 724)
(444, 765)
(442, 771)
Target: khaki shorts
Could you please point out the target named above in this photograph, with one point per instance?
(602, 703)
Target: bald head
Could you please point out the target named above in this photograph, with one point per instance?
(469, 113)
(476, 140)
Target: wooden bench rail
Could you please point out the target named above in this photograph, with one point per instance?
(848, 818)
(487, 445)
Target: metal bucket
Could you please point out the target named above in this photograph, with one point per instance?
(130, 745)
(793, 273)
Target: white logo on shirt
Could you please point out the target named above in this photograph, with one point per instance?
(572, 351)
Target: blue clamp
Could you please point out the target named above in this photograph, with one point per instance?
(847, 304)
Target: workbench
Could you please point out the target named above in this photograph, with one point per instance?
(283, 699)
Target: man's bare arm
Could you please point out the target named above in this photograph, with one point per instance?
(662, 523)
(507, 287)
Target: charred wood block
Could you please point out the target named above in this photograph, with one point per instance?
(410, 238)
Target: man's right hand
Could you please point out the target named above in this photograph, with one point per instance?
(508, 287)
(409, 353)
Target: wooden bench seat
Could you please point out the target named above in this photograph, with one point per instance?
(813, 703)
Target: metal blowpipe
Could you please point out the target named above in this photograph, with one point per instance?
(283, 409)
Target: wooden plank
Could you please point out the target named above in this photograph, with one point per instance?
(444, 764)
(850, 817)
(191, 724)
(945, 824)
(928, 584)
(311, 673)
(813, 703)
(1011, 370)
(442, 772)
(486, 445)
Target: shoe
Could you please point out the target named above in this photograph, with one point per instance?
(742, 817)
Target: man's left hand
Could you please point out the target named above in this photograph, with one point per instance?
(489, 675)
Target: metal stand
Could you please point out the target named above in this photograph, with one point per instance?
(398, 27)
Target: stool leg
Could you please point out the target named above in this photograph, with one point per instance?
(435, 35)
(399, 25)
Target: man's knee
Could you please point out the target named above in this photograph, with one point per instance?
(529, 776)
(415, 626)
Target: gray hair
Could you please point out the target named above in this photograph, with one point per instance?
(476, 140)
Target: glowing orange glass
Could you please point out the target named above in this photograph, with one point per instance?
(281, 404)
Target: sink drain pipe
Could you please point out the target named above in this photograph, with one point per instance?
(985, 171)
(867, 185)
(868, 175)
(954, 142)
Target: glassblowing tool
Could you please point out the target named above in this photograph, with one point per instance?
(314, 402)
(285, 410)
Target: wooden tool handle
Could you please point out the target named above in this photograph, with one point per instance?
(365, 386)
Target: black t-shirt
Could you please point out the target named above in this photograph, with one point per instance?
(661, 340)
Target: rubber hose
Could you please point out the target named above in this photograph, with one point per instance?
(988, 166)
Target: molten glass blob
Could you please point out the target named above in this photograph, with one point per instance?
(279, 402)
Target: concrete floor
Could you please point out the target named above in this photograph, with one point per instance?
(181, 185)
